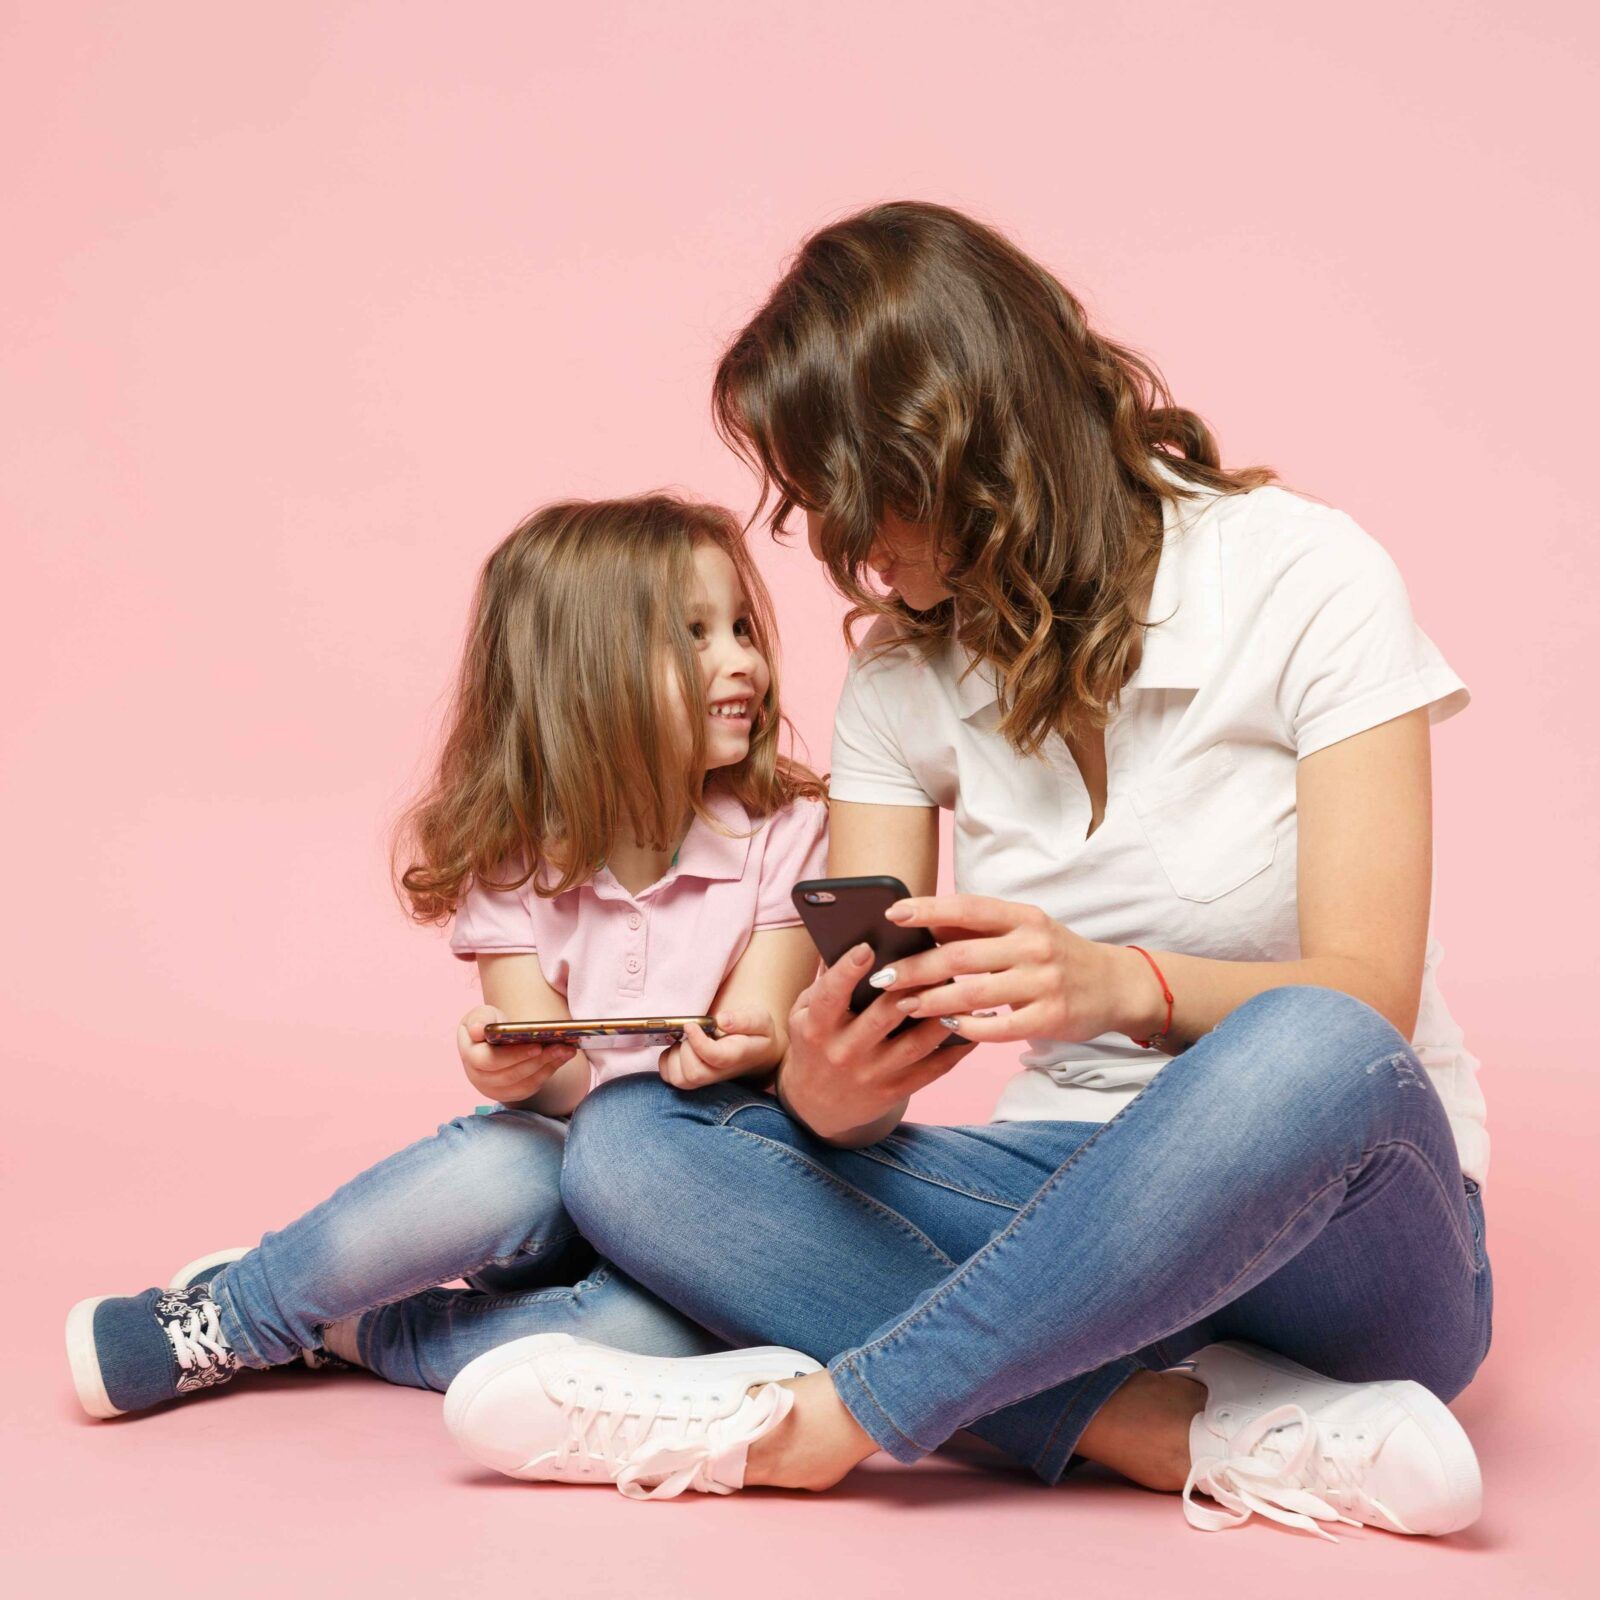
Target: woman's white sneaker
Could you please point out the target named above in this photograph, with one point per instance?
(1280, 1440)
(560, 1409)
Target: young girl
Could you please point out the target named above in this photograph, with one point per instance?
(615, 832)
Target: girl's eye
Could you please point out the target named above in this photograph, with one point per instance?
(743, 628)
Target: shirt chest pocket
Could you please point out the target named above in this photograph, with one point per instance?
(1202, 827)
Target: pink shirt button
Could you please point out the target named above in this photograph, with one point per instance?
(633, 963)
(634, 919)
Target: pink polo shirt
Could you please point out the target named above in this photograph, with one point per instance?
(665, 950)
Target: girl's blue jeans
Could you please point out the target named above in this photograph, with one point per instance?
(481, 1200)
(1289, 1180)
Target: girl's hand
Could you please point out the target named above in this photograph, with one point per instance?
(505, 1072)
(748, 1042)
(1058, 984)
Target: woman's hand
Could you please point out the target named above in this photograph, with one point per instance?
(1058, 984)
(506, 1073)
(843, 1076)
(747, 1042)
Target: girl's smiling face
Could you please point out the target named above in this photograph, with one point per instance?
(901, 556)
(732, 669)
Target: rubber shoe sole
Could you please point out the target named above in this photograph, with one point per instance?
(84, 1360)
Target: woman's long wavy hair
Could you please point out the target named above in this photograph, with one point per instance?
(562, 738)
(914, 361)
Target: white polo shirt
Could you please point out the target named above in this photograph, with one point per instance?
(1284, 628)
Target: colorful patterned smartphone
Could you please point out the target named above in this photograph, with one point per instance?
(597, 1033)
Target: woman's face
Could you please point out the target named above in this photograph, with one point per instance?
(901, 557)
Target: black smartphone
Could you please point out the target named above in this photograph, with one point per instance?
(840, 913)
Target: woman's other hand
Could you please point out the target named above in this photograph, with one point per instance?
(1058, 984)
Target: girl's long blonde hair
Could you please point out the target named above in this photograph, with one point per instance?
(914, 361)
(561, 739)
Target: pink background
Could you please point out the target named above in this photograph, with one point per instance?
(309, 303)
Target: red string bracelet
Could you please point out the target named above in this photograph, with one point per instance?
(1166, 994)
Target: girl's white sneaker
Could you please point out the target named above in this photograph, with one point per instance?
(560, 1409)
(1302, 1449)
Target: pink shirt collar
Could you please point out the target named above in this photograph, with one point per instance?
(704, 853)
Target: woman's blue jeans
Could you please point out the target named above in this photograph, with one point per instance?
(480, 1200)
(1289, 1180)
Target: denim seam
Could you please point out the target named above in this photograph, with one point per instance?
(437, 1284)
(834, 1181)
(480, 1303)
(871, 1153)
(239, 1339)
(1070, 1414)
(847, 1365)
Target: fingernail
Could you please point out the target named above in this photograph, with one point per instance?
(951, 1023)
(882, 978)
(898, 912)
(908, 1004)
(861, 954)
(993, 1011)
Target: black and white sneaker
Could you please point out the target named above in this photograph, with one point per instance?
(128, 1353)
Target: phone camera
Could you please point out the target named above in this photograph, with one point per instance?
(818, 897)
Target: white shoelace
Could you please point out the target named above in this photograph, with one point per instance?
(197, 1340)
(1292, 1486)
(649, 1456)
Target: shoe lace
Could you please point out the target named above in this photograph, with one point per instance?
(649, 1453)
(196, 1338)
(1293, 1484)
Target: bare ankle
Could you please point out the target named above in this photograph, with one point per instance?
(1142, 1431)
(815, 1445)
(339, 1339)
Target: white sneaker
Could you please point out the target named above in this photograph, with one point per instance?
(1279, 1439)
(557, 1408)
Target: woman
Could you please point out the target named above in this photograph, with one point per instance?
(1182, 719)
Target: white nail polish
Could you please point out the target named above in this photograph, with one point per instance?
(882, 978)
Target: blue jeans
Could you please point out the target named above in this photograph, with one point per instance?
(1289, 1180)
(480, 1200)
